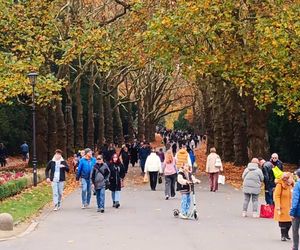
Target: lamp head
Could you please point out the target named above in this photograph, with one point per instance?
(32, 77)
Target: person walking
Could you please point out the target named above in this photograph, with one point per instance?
(295, 212)
(56, 174)
(170, 173)
(134, 153)
(269, 180)
(213, 167)
(185, 179)
(24, 151)
(153, 166)
(3, 155)
(252, 180)
(143, 154)
(125, 158)
(182, 157)
(117, 175)
(100, 180)
(85, 167)
(283, 200)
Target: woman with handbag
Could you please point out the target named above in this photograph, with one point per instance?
(283, 203)
(170, 172)
(153, 166)
(213, 167)
(100, 179)
(117, 175)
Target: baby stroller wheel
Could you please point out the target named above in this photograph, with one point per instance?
(196, 215)
(176, 212)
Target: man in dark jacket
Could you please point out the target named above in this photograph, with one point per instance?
(143, 154)
(269, 180)
(276, 162)
(57, 168)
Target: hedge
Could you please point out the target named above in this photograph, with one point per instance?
(14, 187)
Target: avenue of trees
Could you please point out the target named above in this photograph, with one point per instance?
(109, 68)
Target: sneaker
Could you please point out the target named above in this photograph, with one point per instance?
(102, 210)
(83, 207)
(183, 216)
(87, 205)
(114, 204)
(255, 215)
(58, 207)
(55, 208)
(244, 214)
(117, 204)
(283, 239)
(98, 210)
(167, 197)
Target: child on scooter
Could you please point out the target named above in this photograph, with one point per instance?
(185, 179)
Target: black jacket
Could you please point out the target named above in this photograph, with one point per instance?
(117, 173)
(51, 168)
(183, 188)
(269, 178)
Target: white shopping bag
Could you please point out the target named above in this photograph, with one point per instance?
(221, 179)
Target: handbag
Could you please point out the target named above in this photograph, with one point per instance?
(218, 162)
(221, 179)
(267, 211)
(159, 179)
(146, 179)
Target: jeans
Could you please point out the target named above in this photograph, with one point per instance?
(185, 203)
(86, 191)
(295, 225)
(142, 163)
(213, 181)
(115, 195)
(100, 196)
(57, 191)
(153, 179)
(170, 185)
(254, 202)
(269, 196)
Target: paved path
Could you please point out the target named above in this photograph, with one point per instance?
(145, 222)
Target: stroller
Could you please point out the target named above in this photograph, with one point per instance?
(193, 214)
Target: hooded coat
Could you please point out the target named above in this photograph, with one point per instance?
(283, 200)
(253, 178)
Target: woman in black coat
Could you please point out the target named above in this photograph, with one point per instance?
(117, 174)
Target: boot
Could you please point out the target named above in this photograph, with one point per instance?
(283, 234)
(114, 204)
(117, 204)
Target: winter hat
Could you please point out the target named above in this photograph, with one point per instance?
(87, 150)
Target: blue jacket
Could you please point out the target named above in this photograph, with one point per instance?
(295, 209)
(85, 168)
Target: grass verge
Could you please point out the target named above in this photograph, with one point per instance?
(27, 203)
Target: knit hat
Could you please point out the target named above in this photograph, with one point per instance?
(87, 150)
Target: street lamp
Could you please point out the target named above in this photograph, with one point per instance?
(32, 77)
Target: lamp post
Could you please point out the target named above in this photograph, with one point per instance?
(32, 77)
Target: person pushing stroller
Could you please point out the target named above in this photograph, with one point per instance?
(185, 180)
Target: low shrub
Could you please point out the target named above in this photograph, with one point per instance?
(13, 187)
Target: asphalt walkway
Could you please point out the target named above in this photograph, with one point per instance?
(145, 222)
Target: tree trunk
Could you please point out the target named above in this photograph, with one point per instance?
(91, 124)
(109, 133)
(41, 135)
(69, 121)
(217, 105)
(79, 117)
(118, 132)
(257, 132)
(130, 123)
(227, 126)
(239, 131)
(101, 116)
(61, 128)
(52, 131)
(141, 124)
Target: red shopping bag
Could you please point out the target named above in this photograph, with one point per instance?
(267, 211)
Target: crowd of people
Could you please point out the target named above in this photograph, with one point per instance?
(107, 169)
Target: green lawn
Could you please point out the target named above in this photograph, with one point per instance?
(27, 203)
